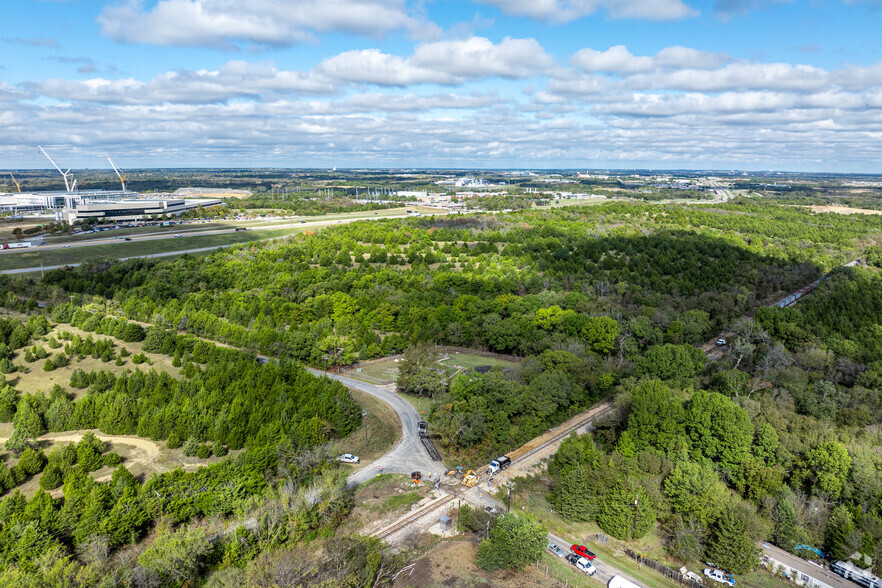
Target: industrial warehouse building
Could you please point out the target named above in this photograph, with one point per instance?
(135, 210)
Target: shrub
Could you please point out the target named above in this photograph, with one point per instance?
(203, 452)
(174, 440)
(32, 461)
(219, 450)
(112, 459)
(51, 478)
(190, 447)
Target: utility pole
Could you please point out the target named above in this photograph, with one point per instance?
(510, 486)
(636, 510)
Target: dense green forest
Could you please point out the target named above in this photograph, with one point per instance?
(785, 448)
(775, 438)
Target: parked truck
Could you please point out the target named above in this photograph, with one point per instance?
(500, 463)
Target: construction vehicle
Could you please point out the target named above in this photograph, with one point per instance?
(423, 429)
(416, 477)
(455, 473)
(498, 464)
(470, 479)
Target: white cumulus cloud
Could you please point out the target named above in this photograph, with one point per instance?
(560, 11)
(227, 23)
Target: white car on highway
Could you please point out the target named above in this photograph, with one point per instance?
(348, 458)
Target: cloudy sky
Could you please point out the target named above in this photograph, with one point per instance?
(700, 84)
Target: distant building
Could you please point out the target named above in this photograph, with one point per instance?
(30, 201)
(133, 210)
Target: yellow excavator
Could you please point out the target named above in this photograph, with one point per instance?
(470, 479)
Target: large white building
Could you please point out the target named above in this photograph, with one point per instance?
(134, 210)
(40, 201)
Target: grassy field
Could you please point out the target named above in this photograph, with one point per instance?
(36, 380)
(379, 429)
(385, 372)
(472, 360)
(51, 257)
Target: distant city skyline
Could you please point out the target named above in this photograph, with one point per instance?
(564, 84)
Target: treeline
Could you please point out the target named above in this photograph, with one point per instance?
(231, 401)
(292, 495)
(314, 206)
(369, 288)
(720, 478)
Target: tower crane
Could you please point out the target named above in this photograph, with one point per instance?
(70, 186)
(122, 177)
(17, 185)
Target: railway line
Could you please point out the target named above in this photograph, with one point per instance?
(413, 517)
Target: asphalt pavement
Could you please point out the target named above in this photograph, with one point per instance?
(408, 455)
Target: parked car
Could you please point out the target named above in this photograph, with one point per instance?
(721, 342)
(555, 550)
(719, 576)
(572, 558)
(582, 551)
(348, 458)
(127, 239)
(585, 565)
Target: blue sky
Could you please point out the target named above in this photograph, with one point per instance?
(700, 84)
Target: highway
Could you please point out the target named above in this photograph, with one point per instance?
(183, 233)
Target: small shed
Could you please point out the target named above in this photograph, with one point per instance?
(445, 523)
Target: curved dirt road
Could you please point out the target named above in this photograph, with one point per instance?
(149, 448)
(408, 455)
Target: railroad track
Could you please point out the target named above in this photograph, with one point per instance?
(594, 413)
(414, 517)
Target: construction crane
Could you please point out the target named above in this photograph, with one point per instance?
(122, 177)
(70, 186)
(17, 185)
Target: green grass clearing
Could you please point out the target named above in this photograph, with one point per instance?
(472, 360)
(379, 429)
(559, 569)
(37, 380)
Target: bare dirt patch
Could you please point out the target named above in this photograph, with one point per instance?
(142, 457)
(382, 501)
(841, 209)
(452, 564)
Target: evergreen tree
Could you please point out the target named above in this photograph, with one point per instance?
(51, 478)
(570, 498)
(840, 537)
(31, 461)
(729, 544)
(514, 543)
(787, 533)
(618, 508)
